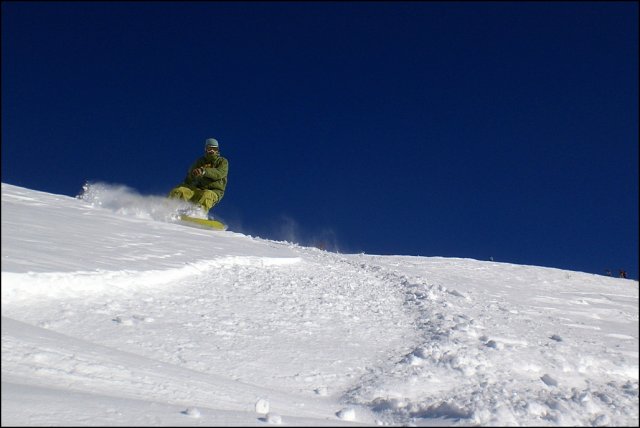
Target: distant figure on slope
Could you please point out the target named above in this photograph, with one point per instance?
(206, 180)
(622, 273)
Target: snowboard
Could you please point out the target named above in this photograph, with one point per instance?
(203, 223)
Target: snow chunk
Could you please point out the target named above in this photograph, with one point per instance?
(262, 406)
(347, 414)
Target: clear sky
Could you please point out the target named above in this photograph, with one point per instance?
(470, 129)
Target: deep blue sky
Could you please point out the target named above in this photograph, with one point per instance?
(504, 130)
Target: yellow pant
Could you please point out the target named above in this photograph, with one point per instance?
(205, 198)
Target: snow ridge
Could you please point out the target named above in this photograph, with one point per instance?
(23, 287)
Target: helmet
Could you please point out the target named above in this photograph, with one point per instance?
(210, 142)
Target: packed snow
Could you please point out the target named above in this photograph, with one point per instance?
(114, 313)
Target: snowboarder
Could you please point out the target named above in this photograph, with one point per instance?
(206, 180)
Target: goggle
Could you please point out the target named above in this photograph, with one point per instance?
(211, 149)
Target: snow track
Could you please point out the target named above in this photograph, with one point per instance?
(459, 370)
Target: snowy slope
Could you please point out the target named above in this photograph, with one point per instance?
(112, 315)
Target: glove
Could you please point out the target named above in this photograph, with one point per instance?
(198, 172)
